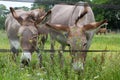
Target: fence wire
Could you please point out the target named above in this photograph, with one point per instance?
(47, 50)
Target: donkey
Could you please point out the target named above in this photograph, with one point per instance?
(75, 26)
(21, 31)
(76, 39)
(102, 30)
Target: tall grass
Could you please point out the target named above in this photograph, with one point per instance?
(99, 66)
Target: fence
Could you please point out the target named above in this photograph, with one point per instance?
(8, 50)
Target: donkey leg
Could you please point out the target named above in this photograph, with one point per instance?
(41, 48)
(39, 57)
(72, 56)
(43, 40)
(14, 45)
(15, 53)
(61, 59)
(52, 51)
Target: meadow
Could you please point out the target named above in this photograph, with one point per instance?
(99, 65)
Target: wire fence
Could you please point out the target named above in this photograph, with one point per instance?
(47, 50)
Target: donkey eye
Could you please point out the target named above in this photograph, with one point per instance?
(33, 18)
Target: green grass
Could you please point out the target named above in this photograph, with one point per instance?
(109, 42)
(99, 66)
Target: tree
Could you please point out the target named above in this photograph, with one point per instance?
(23, 7)
(3, 7)
(3, 13)
(109, 12)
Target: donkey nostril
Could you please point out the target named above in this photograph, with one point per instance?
(68, 44)
(28, 60)
(25, 62)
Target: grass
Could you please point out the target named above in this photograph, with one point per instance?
(109, 42)
(99, 66)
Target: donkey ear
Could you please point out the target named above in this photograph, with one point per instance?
(82, 14)
(94, 25)
(58, 27)
(43, 17)
(14, 14)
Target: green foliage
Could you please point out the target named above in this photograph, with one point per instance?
(3, 11)
(99, 1)
(23, 7)
(2, 7)
(116, 2)
(107, 13)
(113, 20)
(36, 6)
(2, 22)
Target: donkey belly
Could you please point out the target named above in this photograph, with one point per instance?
(12, 33)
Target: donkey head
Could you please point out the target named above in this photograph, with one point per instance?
(77, 39)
